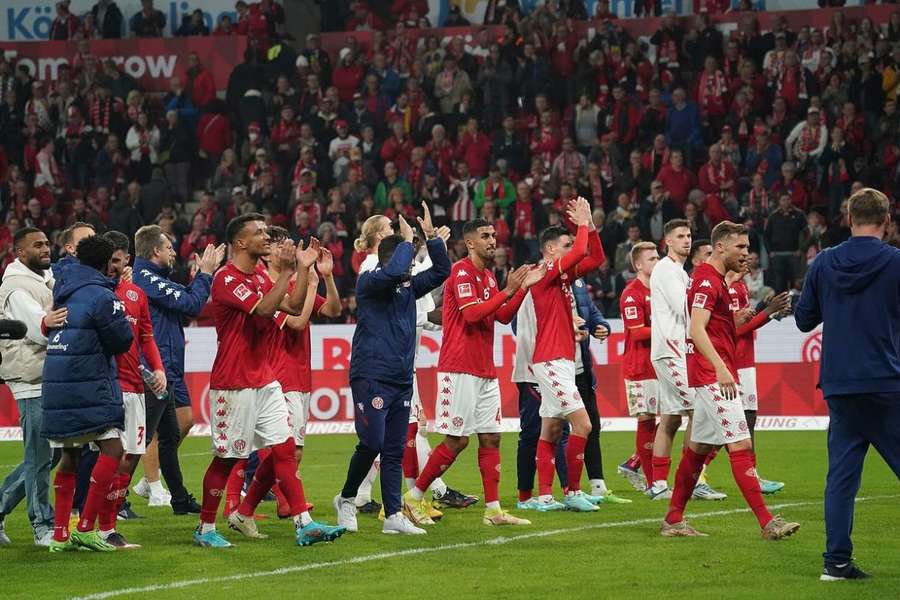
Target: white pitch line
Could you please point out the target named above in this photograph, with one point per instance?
(425, 550)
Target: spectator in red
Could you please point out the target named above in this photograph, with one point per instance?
(363, 19)
(397, 148)
(254, 24)
(795, 84)
(65, 25)
(546, 141)
(854, 127)
(225, 26)
(526, 223)
(712, 95)
(39, 106)
(397, 206)
(788, 185)
(328, 238)
(198, 238)
(214, 135)
(347, 76)
(200, 85)
(657, 156)
(677, 179)
(212, 217)
(441, 152)
(718, 177)
(625, 117)
(570, 161)
(474, 148)
(807, 140)
(285, 137)
(501, 227)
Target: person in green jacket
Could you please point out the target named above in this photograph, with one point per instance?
(495, 187)
(391, 180)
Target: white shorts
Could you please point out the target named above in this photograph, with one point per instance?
(134, 435)
(718, 421)
(467, 404)
(246, 420)
(748, 387)
(556, 381)
(675, 397)
(298, 414)
(86, 438)
(642, 397)
(415, 407)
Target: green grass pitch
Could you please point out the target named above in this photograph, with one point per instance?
(613, 553)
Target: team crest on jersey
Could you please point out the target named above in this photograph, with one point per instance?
(457, 421)
(705, 283)
(242, 292)
(377, 403)
(464, 290)
(699, 300)
(228, 279)
(131, 295)
(631, 312)
(239, 445)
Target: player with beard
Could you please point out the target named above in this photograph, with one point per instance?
(718, 412)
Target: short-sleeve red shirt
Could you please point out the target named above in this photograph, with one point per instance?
(709, 291)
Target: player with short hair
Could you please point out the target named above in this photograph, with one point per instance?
(641, 387)
(137, 311)
(718, 412)
(468, 390)
(553, 360)
(245, 396)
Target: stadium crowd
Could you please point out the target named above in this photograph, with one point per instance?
(773, 129)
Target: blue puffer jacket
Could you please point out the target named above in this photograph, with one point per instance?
(81, 393)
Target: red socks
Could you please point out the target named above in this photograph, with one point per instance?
(410, 461)
(646, 433)
(489, 465)
(575, 461)
(285, 466)
(525, 495)
(546, 465)
(685, 480)
(661, 467)
(262, 481)
(440, 460)
(114, 500)
(102, 481)
(234, 486)
(743, 467)
(710, 456)
(64, 490)
(214, 483)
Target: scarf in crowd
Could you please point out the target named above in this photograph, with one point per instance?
(718, 175)
(713, 89)
(792, 86)
(809, 139)
(101, 114)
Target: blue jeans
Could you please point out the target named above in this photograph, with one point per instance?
(31, 479)
(857, 420)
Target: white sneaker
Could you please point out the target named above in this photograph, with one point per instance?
(164, 499)
(703, 491)
(397, 523)
(659, 492)
(4, 539)
(142, 488)
(43, 538)
(346, 513)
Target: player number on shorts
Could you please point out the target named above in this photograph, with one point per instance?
(140, 437)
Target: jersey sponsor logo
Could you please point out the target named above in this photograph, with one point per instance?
(377, 403)
(631, 312)
(735, 305)
(242, 292)
(131, 295)
(699, 300)
(705, 283)
(464, 290)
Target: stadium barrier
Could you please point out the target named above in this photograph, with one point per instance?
(787, 366)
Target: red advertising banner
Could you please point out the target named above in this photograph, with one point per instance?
(151, 61)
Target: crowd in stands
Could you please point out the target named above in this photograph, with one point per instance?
(773, 129)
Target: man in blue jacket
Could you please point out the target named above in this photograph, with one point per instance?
(170, 303)
(381, 366)
(81, 394)
(854, 290)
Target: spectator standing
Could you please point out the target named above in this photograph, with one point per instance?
(149, 22)
(108, 19)
(782, 237)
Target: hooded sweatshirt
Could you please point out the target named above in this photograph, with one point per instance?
(25, 296)
(854, 290)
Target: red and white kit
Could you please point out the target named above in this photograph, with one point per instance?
(668, 292)
(247, 407)
(745, 350)
(641, 388)
(717, 420)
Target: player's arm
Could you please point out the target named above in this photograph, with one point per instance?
(702, 343)
(595, 256)
(148, 347)
(391, 275)
(633, 318)
(301, 321)
(167, 294)
(325, 266)
(426, 281)
(293, 302)
(808, 311)
(775, 305)
(113, 329)
(672, 293)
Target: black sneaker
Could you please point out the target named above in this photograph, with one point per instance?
(186, 505)
(118, 540)
(454, 499)
(370, 508)
(848, 570)
(126, 514)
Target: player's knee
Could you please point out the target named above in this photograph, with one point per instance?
(741, 445)
(284, 451)
(456, 444)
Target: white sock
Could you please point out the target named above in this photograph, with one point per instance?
(156, 488)
(364, 493)
(410, 482)
(303, 519)
(105, 534)
(495, 505)
(416, 493)
(207, 527)
(439, 487)
(423, 450)
(598, 487)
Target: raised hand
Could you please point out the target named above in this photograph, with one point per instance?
(405, 230)
(778, 304)
(443, 233)
(310, 255)
(312, 279)
(127, 274)
(425, 222)
(211, 258)
(287, 255)
(535, 274)
(325, 262)
(579, 211)
(515, 279)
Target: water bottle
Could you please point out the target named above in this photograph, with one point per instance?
(148, 378)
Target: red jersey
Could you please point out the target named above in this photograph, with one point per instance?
(467, 347)
(634, 306)
(745, 351)
(245, 339)
(137, 311)
(709, 291)
(292, 355)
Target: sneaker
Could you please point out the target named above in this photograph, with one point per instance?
(91, 540)
(246, 526)
(778, 529)
(578, 502)
(679, 529)
(185, 506)
(398, 524)
(313, 533)
(164, 499)
(595, 500)
(848, 570)
(433, 513)
(42, 538)
(416, 510)
(549, 505)
(4, 539)
(659, 492)
(210, 539)
(142, 488)
(381, 514)
(498, 516)
(369, 508)
(454, 499)
(346, 513)
(126, 514)
(118, 540)
(634, 476)
(770, 487)
(530, 504)
(66, 546)
(702, 491)
(609, 498)
(74, 517)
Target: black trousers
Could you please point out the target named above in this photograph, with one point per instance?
(593, 456)
(163, 422)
